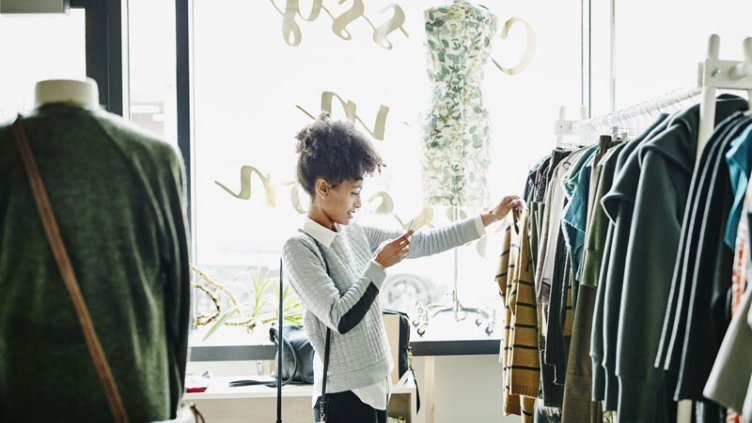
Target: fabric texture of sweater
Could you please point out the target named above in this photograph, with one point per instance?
(118, 195)
(344, 299)
(519, 352)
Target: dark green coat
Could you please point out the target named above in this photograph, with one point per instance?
(618, 209)
(118, 196)
(665, 170)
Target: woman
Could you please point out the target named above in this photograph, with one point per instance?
(337, 269)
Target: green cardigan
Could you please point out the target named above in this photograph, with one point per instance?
(118, 196)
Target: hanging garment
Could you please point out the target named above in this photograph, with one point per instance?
(595, 248)
(598, 222)
(552, 393)
(545, 414)
(535, 179)
(742, 255)
(709, 288)
(552, 222)
(596, 333)
(710, 283)
(556, 264)
(553, 174)
(596, 270)
(665, 170)
(118, 196)
(618, 209)
(731, 377)
(675, 318)
(739, 276)
(574, 216)
(519, 353)
(578, 405)
(535, 203)
(457, 134)
(738, 159)
(559, 325)
(604, 145)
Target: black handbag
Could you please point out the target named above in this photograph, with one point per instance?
(404, 351)
(297, 358)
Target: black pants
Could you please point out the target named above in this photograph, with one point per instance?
(346, 407)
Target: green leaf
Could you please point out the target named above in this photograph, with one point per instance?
(221, 321)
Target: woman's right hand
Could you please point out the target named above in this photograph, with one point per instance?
(394, 251)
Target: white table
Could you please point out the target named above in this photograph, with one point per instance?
(221, 403)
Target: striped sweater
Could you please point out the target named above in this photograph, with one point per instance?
(519, 354)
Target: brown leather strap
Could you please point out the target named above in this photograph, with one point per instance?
(67, 273)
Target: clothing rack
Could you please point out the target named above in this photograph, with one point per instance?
(721, 74)
(563, 127)
(611, 123)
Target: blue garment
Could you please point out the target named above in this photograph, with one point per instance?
(574, 215)
(738, 158)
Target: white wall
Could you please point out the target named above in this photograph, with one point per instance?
(468, 389)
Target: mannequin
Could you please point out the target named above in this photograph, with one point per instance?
(457, 136)
(117, 194)
(76, 92)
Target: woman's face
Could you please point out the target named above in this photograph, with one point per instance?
(343, 201)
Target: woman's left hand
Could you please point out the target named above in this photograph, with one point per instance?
(508, 203)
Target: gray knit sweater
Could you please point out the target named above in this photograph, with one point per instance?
(344, 300)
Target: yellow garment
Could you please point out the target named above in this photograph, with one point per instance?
(519, 353)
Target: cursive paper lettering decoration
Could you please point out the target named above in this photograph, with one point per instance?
(246, 172)
(292, 34)
(529, 49)
(350, 108)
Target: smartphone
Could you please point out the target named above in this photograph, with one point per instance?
(410, 224)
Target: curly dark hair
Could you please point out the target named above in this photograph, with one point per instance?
(334, 150)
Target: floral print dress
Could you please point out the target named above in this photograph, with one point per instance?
(456, 138)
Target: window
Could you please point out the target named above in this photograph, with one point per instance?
(151, 47)
(264, 69)
(42, 47)
(658, 51)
